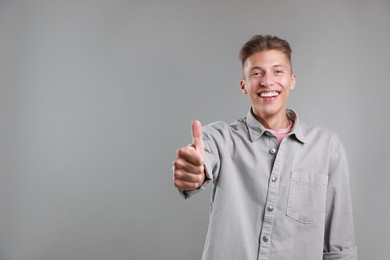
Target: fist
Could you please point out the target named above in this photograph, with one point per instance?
(188, 167)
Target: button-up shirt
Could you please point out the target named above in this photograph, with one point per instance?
(276, 201)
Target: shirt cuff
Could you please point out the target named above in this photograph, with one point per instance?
(347, 254)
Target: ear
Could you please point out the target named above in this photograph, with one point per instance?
(242, 86)
(293, 81)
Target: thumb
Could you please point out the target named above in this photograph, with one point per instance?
(197, 140)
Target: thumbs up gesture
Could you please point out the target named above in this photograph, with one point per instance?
(188, 167)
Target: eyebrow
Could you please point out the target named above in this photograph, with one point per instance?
(278, 65)
(273, 66)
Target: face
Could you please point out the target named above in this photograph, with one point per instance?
(268, 80)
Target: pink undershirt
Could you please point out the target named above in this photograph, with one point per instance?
(281, 133)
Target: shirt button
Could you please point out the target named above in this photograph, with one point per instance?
(270, 208)
(272, 151)
(274, 179)
(265, 238)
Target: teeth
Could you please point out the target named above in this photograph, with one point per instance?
(268, 94)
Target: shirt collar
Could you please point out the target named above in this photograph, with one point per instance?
(297, 127)
(256, 129)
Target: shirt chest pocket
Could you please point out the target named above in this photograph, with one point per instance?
(307, 197)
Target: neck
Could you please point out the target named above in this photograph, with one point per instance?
(274, 122)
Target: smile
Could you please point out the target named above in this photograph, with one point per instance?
(268, 94)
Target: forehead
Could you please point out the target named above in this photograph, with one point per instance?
(266, 59)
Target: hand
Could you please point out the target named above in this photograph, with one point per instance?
(188, 167)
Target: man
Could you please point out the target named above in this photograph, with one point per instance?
(281, 188)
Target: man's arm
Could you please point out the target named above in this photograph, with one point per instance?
(339, 242)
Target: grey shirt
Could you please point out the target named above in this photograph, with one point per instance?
(270, 201)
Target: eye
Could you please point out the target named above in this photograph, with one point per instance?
(255, 74)
(279, 71)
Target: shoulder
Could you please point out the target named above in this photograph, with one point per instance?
(321, 136)
(220, 129)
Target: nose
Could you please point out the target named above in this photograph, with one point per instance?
(267, 80)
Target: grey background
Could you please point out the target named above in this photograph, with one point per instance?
(96, 96)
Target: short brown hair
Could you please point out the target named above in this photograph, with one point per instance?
(263, 43)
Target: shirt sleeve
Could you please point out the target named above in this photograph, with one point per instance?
(339, 241)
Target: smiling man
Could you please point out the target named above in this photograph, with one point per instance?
(281, 187)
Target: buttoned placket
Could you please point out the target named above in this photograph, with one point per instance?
(270, 205)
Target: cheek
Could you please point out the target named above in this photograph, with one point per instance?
(286, 83)
(253, 84)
